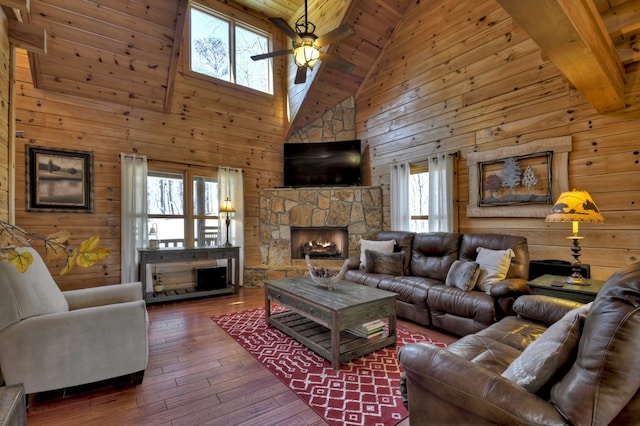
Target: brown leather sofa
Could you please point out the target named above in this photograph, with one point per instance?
(599, 384)
(422, 294)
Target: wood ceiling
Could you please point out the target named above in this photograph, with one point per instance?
(94, 46)
(593, 42)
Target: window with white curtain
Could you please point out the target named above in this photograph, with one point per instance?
(419, 197)
(422, 194)
(182, 203)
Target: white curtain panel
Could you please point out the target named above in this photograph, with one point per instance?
(230, 184)
(133, 221)
(441, 179)
(400, 211)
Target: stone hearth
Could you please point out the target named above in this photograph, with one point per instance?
(359, 209)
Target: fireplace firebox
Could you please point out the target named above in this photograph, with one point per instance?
(319, 242)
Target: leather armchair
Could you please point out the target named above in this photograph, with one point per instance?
(464, 384)
(50, 339)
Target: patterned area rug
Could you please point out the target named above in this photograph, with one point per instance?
(365, 391)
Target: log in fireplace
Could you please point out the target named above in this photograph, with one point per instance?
(319, 242)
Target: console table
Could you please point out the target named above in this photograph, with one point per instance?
(183, 254)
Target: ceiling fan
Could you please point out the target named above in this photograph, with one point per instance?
(306, 45)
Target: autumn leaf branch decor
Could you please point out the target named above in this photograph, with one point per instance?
(56, 247)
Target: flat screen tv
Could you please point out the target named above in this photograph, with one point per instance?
(322, 164)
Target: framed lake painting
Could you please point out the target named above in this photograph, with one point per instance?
(59, 180)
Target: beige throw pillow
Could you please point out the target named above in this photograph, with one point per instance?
(549, 354)
(381, 246)
(494, 266)
(463, 275)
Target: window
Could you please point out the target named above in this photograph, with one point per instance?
(419, 197)
(178, 210)
(221, 47)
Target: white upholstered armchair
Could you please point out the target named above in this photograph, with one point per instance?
(50, 339)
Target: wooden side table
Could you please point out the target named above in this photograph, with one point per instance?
(13, 410)
(555, 286)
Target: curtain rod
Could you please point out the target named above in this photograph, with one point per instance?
(421, 159)
(180, 163)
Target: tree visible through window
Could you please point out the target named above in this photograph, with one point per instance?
(419, 197)
(184, 216)
(222, 48)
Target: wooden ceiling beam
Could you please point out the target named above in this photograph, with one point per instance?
(28, 37)
(622, 20)
(21, 9)
(573, 36)
(181, 17)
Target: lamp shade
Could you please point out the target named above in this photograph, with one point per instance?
(227, 206)
(575, 206)
(306, 56)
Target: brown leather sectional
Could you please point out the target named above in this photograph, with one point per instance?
(422, 294)
(599, 383)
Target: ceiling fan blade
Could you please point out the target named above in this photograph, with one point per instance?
(285, 28)
(340, 33)
(337, 62)
(271, 54)
(301, 75)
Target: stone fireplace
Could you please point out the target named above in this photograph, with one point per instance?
(357, 210)
(319, 242)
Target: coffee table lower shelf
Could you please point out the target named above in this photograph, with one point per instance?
(318, 337)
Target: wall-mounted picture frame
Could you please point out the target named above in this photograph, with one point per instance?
(517, 180)
(59, 180)
(551, 154)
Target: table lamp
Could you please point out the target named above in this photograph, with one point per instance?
(575, 206)
(154, 243)
(227, 207)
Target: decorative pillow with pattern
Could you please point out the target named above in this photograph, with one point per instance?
(381, 246)
(463, 275)
(385, 263)
(494, 266)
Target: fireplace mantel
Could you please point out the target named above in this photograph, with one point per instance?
(358, 208)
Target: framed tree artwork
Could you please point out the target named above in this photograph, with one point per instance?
(518, 181)
(59, 180)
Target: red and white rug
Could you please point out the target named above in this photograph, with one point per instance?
(366, 391)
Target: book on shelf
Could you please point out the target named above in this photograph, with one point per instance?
(368, 329)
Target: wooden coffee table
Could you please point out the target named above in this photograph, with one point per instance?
(318, 318)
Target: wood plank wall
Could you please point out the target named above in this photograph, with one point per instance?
(6, 138)
(461, 75)
(210, 124)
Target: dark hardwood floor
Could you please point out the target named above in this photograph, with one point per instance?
(196, 375)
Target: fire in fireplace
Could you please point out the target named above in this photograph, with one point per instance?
(319, 242)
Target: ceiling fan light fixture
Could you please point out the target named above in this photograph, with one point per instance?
(306, 55)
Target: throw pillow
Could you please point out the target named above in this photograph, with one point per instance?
(381, 246)
(549, 354)
(463, 275)
(494, 265)
(385, 263)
